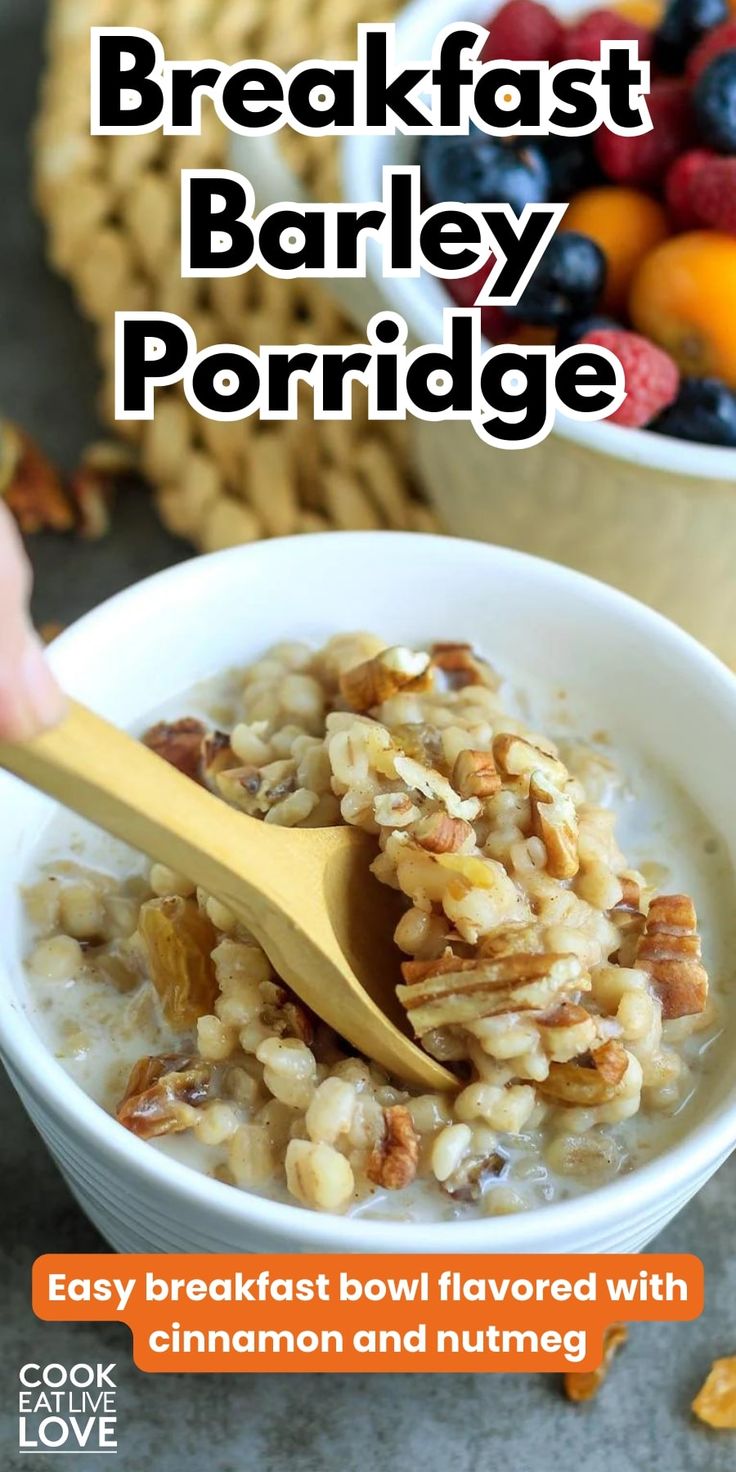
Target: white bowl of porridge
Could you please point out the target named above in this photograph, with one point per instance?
(544, 767)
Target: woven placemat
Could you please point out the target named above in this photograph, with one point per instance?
(111, 207)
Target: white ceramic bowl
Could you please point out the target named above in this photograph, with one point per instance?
(625, 669)
(653, 515)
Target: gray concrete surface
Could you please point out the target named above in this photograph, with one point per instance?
(469, 1423)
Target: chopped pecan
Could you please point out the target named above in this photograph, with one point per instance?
(520, 938)
(582, 1385)
(589, 1080)
(369, 684)
(278, 781)
(518, 757)
(413, 971)
(288, 1017)
(566, 1030)
(462, 666)
(564, 1014)
(554, 820)
(216, 756)
(179, 941)
(439, 833)
(669, 950)
(610, 1062)
(435, 786)
(469, 1181)
(394, 809)
(483, 988)
(715, 1402)
(393, 1161)
(421, 741)
(161, 1091)
(474, 774)
(628, 919)
(240, 787)
(179, 743)
(630, 894)
(30, 485)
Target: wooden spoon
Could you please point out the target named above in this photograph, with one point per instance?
(305, 893)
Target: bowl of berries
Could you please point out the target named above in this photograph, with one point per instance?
(643, 263)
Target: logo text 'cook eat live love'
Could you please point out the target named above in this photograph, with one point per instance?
(67, 1409)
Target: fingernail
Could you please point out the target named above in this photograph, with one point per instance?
(37, 686)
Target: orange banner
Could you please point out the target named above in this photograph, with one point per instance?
(370, 1313)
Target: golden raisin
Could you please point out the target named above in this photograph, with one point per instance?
(180, 940)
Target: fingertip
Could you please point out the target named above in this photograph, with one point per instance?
(38, 688)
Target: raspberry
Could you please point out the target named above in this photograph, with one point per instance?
(721, 38)
(523, 30)
(713, 194)
(645, 158)
(582, 41)
(678, 187)
(464, 290)
(652, 378)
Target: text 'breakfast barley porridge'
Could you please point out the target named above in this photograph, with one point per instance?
(561, 979)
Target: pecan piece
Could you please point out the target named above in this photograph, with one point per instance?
(160, 1092)
(432, 784)
(715, 1402)
(565, 1014)
(554, 820)
(421, 741)
(518, 757)
(669, 950)
(510, 940)
(461, 666)
(482, 988)
(369, 684)
(439, 833)
(288, 1017)
(179, 743)
(474, 774)
(216, 756)
(628, 919)
(30, 486)
(473, 1174)
(394, 809)
(393, 1160)
(582, 1385)
(413, 971)
(240, 787)
(179, 941)
(630, 900)
(566, 1031)
(590, 1080)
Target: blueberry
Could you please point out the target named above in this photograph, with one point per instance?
(715, 102)
(704, 410)
(571, 332)
(681, 27)
(572, 165)
(567, 282)
(478, 169)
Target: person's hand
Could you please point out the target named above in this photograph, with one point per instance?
(30, 698)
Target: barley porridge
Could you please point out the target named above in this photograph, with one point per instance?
(558, 973)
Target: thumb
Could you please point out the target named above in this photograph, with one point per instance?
(30, 698)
